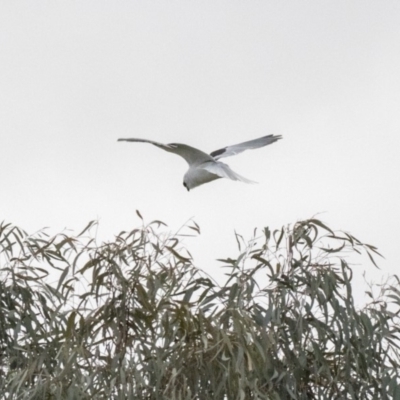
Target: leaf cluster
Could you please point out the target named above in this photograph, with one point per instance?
(133, 318)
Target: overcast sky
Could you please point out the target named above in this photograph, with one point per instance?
(76, 76)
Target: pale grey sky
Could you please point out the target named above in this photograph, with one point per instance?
(76, 76)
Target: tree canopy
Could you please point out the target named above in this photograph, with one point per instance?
(134, 318)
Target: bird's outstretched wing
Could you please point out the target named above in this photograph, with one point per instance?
(190, 154)
(238, 148)
(224, 171)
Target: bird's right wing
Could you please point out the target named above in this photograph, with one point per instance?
(190, 154)
(238, 148)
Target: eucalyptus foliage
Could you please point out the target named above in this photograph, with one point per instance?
(133, 318)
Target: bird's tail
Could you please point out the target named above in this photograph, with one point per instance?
(224, 171)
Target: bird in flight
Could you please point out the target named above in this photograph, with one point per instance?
(205, 167)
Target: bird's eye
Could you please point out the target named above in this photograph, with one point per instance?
(184, 184)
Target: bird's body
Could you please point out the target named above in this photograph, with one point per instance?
(198, 176)
(203, 167)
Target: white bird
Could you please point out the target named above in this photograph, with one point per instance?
(205, 167)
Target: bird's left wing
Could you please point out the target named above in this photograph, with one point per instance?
(190, 154)
(238, 148)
